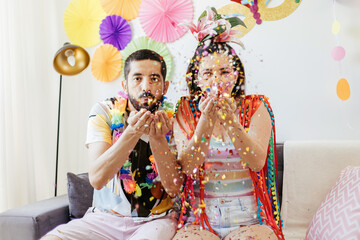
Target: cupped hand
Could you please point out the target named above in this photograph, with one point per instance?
(160, 125)
(208, 108)
(226, 109)
(140, 121)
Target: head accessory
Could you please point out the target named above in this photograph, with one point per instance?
(215, 27)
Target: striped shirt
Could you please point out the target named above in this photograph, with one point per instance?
(229, 191)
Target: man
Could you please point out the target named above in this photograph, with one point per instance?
(132, 168)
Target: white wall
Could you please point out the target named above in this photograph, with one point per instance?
(288, 60)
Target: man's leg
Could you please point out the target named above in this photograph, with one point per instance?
(93, 226)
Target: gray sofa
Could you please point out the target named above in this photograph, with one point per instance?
(32, 221)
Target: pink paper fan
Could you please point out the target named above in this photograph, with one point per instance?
(160, 18)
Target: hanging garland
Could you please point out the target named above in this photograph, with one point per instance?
(338, 54)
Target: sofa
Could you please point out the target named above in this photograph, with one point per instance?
(307, 170)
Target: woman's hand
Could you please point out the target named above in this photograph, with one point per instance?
(208, 108)
(226, 110)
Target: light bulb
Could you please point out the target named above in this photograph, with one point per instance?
(70, 57)
(71, 60)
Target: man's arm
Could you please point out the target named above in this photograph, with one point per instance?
(171, 176)
(166, 164)
(106, 160)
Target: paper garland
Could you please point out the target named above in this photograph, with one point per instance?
(106, 63)
(343, 89)
(160, 19)
(128, 9)
(235, 9)
(253, 13)
(338, 54)
(81, 22)
(116, 31)
(147, 43)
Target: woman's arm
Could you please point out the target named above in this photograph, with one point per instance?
(192, 152)
(252, 146)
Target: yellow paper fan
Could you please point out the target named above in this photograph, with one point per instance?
(106, 63)
(128, 9)
(82, 19)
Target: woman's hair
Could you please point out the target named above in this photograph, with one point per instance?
(207, 48)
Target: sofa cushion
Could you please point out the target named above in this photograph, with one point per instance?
(338, 217)
(80, 194)
(311, 169)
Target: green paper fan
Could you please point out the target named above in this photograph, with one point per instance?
(147, 43)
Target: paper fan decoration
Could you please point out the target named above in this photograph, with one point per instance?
(116, 31)
(128, 9)
(106, 63)
(160, 18)
(147, 43)
(81, 22)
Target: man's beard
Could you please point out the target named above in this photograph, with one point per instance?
(152, 106)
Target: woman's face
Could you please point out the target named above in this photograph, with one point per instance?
(216, 75)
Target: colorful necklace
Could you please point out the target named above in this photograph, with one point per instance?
(118, 122)
(130, 184)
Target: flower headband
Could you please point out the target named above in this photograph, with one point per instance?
(214, 26)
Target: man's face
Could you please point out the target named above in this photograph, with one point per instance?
(145, 84)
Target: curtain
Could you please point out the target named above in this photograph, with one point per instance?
(30, 34)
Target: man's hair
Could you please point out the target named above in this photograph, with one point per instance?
(144, 54)
(207, 49)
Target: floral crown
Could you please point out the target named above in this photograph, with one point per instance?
(214, 26)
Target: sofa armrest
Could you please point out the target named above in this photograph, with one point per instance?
(34, 220)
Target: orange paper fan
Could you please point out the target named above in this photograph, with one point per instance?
(106, 63)
(128, 9)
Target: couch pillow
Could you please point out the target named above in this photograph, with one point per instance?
(80, 194)
(338, 216)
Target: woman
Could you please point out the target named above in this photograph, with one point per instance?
(225, 144)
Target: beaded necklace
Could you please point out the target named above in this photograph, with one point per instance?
(264, 181)
(118, 122)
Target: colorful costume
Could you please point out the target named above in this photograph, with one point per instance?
(135, 190)
(232, 195)
(133, 204)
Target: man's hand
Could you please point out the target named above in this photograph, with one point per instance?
(160, 125)
(140, 122)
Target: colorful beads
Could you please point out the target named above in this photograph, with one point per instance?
(264, 181)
